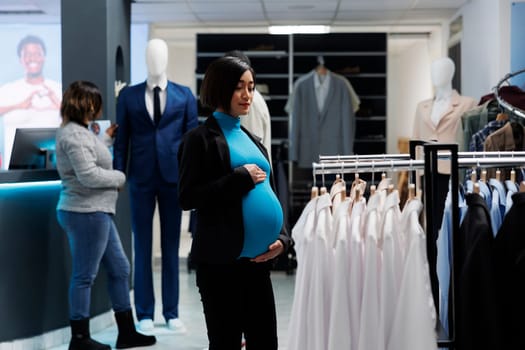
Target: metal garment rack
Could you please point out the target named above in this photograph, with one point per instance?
(407, 162)
(514, 110)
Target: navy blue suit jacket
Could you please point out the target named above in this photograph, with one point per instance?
(139, 143)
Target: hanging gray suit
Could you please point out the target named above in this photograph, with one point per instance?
(330, 131)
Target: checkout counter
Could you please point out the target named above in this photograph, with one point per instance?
(35, 262)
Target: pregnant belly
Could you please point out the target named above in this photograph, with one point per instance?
(263, 219)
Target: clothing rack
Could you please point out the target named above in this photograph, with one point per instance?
(514, 110)
(406, 162)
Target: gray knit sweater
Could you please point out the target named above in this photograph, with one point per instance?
(85, 165)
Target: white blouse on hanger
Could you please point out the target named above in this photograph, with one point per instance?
(302, 232)
(369, 318)
(346, 290)
(321, 282)
(392, 265)
(415, 315)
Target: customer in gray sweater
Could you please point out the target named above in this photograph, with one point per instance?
(85, 211)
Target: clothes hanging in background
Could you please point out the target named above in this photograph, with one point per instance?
(510, 93)
(315, 130)
(487, 110)
(508, 138)
(373, 275)
(476, 119)
(477, 318)
(415, 316)
(509, 255)
(477, 141)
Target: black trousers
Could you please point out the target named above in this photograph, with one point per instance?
(238, 299)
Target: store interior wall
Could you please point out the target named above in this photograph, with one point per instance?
(485, 45)
(485, 41)
(408, 82)
(517, 49)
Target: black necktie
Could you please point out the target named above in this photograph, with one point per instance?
(156, 105)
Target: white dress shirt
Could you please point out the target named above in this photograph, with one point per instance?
(163, 94)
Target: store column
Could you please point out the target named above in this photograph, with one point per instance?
(96, 45)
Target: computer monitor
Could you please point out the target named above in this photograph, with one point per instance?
(33, 148)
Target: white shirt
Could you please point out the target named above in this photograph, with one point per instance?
(415, 315)
(392, 266)
(338, 335)
(321, 282)
(348, 276)
(322, 86)
(369, 318)
(302, 233)
(440, 106)
(163, 94)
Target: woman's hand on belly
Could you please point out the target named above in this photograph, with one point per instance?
(258, 175)
(274, 250)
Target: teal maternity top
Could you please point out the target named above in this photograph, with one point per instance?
(262, 212)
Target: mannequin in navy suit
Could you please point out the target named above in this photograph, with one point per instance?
(147, 151)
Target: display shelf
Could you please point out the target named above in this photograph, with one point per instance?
(279, 60)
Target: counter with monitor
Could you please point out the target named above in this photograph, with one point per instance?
(35, 262)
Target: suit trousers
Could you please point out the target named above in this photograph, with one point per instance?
(238, 299)
(143, 198)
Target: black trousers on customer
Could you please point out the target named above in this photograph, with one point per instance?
(238, 299)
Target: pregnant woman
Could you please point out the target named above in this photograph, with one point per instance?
(225, 175)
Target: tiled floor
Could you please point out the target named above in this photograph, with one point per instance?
(191, 312)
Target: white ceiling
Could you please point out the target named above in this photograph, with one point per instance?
(232, 13)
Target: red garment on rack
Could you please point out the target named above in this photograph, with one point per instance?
(511, 94)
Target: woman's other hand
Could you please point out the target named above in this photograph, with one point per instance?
(274, 250)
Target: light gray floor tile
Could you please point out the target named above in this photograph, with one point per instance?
(190, 311)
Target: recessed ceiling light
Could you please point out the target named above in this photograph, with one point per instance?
(299, 29)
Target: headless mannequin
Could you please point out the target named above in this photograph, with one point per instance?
(442, 71)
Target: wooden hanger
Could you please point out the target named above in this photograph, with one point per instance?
(473, 176)
(357, 195)
(522, 186)
(502, 117)
(483, 176)
(339, 180)
(498, 175)
(411, 191)
(315, 192)
(475, 188)
(513, 176)
(373, 189)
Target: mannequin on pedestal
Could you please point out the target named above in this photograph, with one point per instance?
(152, 117)
(439, 119)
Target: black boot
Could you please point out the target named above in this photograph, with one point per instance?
(128, 337)
(81, 339)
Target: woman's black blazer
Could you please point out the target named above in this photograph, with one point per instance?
(208, 184)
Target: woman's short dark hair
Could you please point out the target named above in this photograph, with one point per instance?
(81, 99)
(220, 81)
